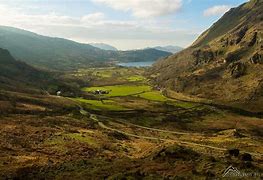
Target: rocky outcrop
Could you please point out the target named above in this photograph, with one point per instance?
(241, 34)
(237, 69)
(256, 59)
(253, 40)
(203, 56)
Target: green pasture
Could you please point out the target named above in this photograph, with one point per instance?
(135, 78)
(131, 75)
(121, 90)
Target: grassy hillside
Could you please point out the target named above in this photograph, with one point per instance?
(20, 77)
(13, 73)
(224, 63)
(58, 53)
(246, 14)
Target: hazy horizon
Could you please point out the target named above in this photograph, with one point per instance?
(130, 24)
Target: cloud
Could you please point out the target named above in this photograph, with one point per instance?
(144, 8)
(216, 10)
(97, 27)
(98, 16)
(10, 16)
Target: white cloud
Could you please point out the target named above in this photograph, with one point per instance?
(93, 17)
(97, 27)
(216, 10)
(15, 17)
(144, 8)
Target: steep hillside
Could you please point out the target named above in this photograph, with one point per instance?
(14, 74)
(57, 53)
(19, 77)
(224, 64)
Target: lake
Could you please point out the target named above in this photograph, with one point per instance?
(137, 64)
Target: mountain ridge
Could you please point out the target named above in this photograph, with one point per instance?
(104, 46)
(17, 76)
(15, 73)
(224, 63)
(63, 54)
(170, 48)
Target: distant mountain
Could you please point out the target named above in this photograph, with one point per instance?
(58, 53)
(171, 49)
(142, 55)
(225, 63)
(104, 46)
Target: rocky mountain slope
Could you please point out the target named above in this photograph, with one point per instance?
(224, 64)
(58, 53)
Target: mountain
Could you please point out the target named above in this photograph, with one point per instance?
(171, 49)
(44, 51)
(224, 64)
(17, 76)
(104, 46)
(58, 53)
(142, 55)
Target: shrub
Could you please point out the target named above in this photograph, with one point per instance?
(233, 152)
(246, 157)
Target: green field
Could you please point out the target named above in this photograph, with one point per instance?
(136, 78)
(108, 72)
(135, 86)
(111, 74)
(142, 91)
(121, 90)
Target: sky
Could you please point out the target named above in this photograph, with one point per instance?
(125, 24)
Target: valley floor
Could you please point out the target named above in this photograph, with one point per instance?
(122, 127)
